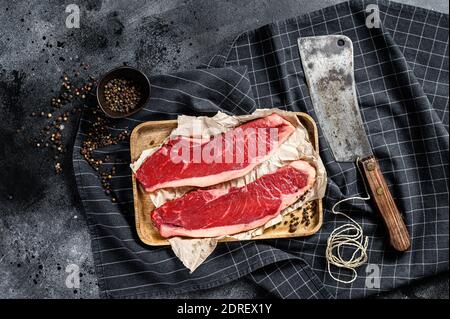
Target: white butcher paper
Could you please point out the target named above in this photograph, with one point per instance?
(193, 252)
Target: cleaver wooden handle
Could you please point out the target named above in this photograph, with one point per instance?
(398, 233)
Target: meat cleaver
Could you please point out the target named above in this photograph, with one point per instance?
(328, 66)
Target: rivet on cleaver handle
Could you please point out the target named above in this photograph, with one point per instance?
(328, 66)
(398, 233)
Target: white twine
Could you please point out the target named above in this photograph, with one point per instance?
(349, 235)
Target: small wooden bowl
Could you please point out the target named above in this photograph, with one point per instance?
(130, 74)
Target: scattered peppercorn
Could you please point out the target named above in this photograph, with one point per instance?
(51, 136)
(73, 94)
(308, 211)
(58, 168)
(99, 136)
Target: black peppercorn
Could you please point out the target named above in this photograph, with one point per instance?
(121, 95)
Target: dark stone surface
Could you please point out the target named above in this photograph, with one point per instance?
(42, 229)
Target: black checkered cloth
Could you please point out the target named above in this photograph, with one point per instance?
(401, 70)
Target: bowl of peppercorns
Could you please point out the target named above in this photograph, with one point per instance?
(123, 92)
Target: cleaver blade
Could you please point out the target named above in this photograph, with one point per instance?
(328, 66)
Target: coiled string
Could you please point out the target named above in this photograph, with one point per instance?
(349, 235)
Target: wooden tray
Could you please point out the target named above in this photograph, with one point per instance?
(150, 134)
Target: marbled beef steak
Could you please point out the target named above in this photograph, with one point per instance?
(234, 154)
(219, 212)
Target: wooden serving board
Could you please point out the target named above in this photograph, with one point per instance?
(151, 134)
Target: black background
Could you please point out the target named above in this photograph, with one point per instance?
(42, 228)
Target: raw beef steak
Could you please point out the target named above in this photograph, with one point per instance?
(219, 212)
(192, 162)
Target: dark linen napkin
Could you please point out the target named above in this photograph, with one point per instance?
(401, 70)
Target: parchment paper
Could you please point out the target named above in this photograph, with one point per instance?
(193, 252)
